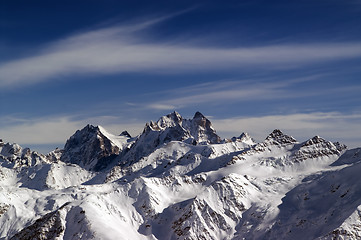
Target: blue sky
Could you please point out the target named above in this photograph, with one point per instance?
(250, 66)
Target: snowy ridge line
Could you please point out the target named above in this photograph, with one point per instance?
(179, 180)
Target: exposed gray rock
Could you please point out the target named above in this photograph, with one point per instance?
(90, 149)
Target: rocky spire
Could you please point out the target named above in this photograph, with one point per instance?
(202, 130)
(278, 137)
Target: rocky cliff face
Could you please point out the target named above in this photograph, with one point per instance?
(201, 130)
(91, 148)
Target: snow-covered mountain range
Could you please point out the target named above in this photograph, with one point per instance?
(179, 180)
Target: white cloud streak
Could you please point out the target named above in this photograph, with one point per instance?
(120, 49)
(222, 92)
(159, 106)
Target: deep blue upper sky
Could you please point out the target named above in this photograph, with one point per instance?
(249, 65)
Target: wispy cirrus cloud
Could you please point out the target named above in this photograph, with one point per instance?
(119, 49)
(256, 89)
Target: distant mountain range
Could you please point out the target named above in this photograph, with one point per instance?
(179, 180)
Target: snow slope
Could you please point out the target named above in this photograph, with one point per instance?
(179, 180)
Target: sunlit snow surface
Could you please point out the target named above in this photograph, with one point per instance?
(177, 180)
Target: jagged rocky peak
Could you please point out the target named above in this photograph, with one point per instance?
(89, 132)
(317, 147)
(170, 120)
(314, 140)
(9, 150)
(25, 152)
(340, 146)
(167, 128)
(244, 137)
(19, 156)
(321, 142)
(202, 130)
(125, 134)
(278, 137)
(173, 127)
(55, 155)
(90, 148)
